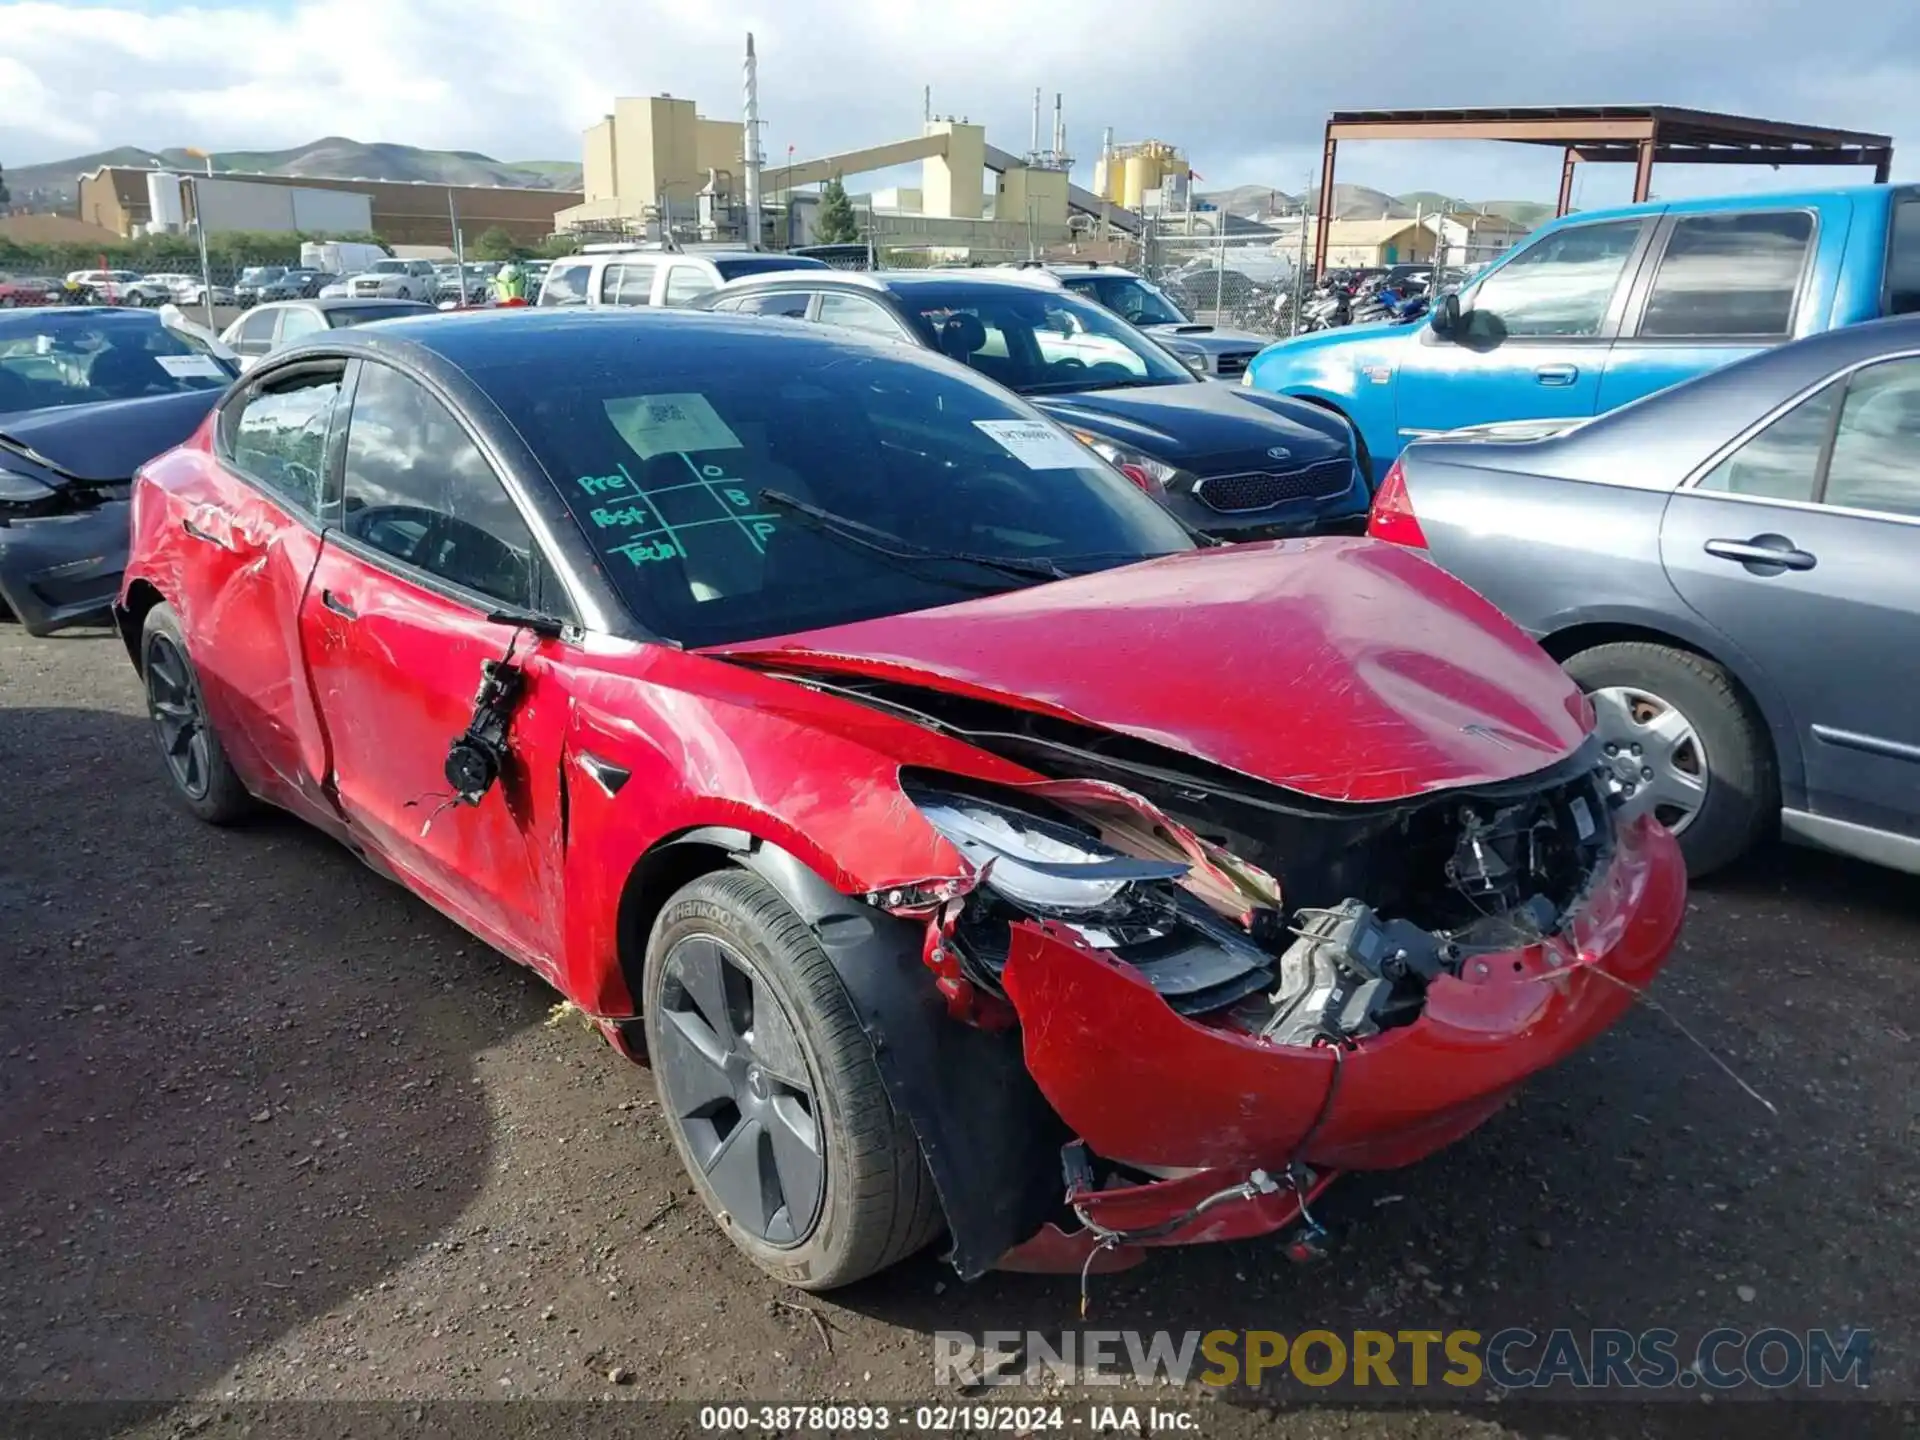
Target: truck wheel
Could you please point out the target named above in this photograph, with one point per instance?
(1683, 744)
(770, 1088)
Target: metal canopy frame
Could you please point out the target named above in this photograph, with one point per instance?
(1640, 135)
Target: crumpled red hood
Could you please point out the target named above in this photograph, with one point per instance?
(1345, 669)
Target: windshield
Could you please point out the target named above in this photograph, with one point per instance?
(667, 461)
(261, 274)
(1036, 341)
(389, 267)
(50, 360)
(1139, 302)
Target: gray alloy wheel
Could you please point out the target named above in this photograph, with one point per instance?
(1657, 758)
(203, 778)
(771, 1090)
(179, 719)
(1689, 743)
(738, 1088)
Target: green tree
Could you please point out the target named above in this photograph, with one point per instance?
(835, 223)
(495, 244)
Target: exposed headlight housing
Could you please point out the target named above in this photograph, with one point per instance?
(1041, 865)
(18, 489)
(1151, 475)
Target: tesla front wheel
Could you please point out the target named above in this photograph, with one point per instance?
(1683, 744)
(770, 1087)
(195, 761)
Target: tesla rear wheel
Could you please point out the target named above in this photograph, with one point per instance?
(196, 763)
(1683, 744)
(770, 1088)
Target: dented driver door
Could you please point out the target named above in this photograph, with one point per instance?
(396, 634)
(247, 531)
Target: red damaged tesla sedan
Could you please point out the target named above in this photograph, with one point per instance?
(966, 848)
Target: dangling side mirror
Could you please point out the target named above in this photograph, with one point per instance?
(1446, 314)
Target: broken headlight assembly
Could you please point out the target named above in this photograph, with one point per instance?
(1055, 867)
(23, 497)
(1041, 865)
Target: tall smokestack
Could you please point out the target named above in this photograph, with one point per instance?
(750, 151)
(1059, 126)
(926, 105)
(1036, 120)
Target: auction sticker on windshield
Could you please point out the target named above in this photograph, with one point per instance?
(1036, 445)
(662, 424)
(190, 367)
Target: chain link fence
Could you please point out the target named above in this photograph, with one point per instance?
(1236, 282)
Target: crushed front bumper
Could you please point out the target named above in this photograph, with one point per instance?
(1148, 1088)
(62, 570)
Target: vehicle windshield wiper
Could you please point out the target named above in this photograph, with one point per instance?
(1059, 387)
(884, 542)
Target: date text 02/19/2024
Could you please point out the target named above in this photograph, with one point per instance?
(948, 1418)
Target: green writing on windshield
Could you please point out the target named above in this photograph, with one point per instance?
(685, 509)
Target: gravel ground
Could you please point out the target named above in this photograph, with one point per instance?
(272, 1130)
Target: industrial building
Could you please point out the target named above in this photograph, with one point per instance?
(657, 159)
(228, 205)
(120, 199)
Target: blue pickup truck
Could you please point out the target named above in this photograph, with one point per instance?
(1600, 308)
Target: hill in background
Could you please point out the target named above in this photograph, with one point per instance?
(55, 185)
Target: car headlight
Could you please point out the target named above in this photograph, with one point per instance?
(18, 489)
(1039, 864)
(1246, 377)
(1151, 475)
(1196, 362)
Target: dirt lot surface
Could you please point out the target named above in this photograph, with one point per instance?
(272, 1130)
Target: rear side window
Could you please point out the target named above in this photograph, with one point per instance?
(1728, 276)
(790, 303)
(566, 285)
(1903, 260)
(255, 335)
(628, 284)
(1782, 462)
(1560, 286)
(278, 436)
(1876, 448)
(686, 283)
(299, 322)
(419, 489)
(856, 312)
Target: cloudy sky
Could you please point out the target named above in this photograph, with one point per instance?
(1242, 85)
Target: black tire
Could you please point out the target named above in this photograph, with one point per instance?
(206, 783)
(1742, 800)
(878, 1205)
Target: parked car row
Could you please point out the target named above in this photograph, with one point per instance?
(790, 657)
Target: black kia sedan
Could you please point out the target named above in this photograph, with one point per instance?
(1230, 462)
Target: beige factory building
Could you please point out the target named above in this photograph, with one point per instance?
(973, 198)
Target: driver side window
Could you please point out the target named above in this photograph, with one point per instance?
(1560, 286)
(419, 489)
